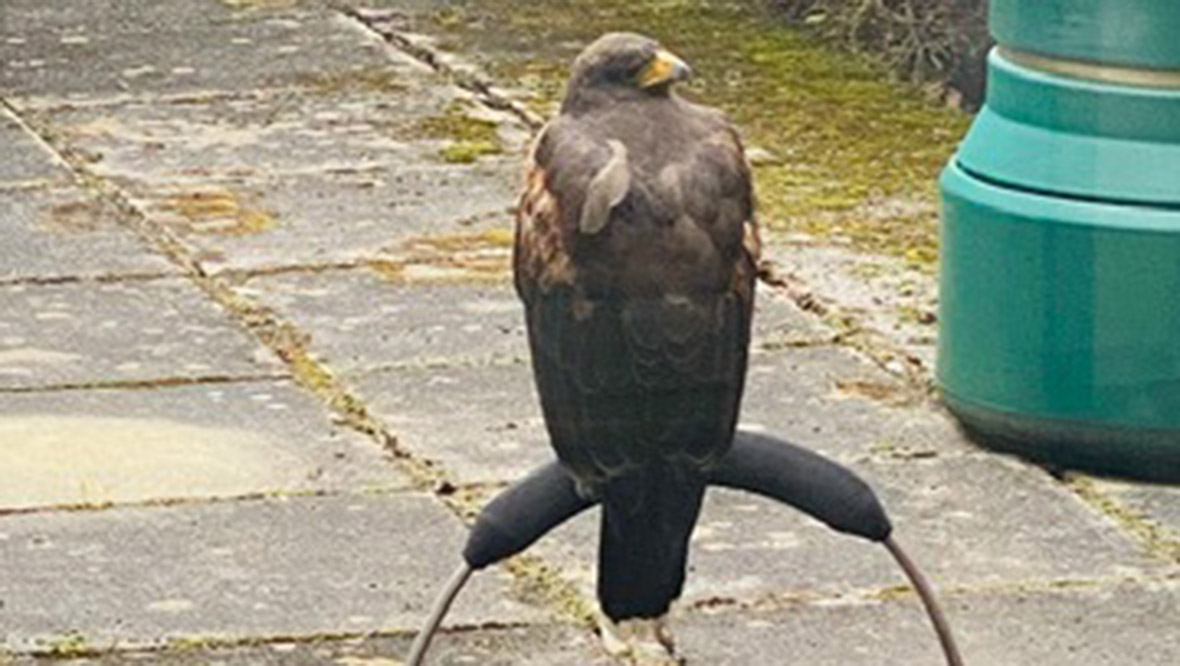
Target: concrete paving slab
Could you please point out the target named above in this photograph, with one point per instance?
(1104, 626)
(27, 161)
(360, 321)
(142, 576)
(543, 645)
(259, 135)
(969, 522)
(780, 324)
(835, 401)
(67, 233)
(258, 99)
(83, 333)
(341, 216)
(213, 440)
(64, 18)
(886, 295)
(483, 423)
(58, 54)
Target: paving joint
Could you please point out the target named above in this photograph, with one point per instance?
(379, 266)
(47, 105)
(199, 642)
(34, 185)
(905, 593)
(451, 363)
(773, 346)
(30, 131)
(1155, 539)
(167, 502)
(242, 275)
(278, 173)
(467, 77)
(888, 454)
(147, 384)
(849, 332)
(114, 278)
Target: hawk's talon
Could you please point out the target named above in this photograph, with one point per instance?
(642, 642)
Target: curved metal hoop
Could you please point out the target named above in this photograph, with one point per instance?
(441, 606)
(941, 627)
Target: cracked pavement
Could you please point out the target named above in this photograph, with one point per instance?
(260, 360)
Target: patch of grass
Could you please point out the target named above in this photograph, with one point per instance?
(893, 593)
(190, 643)
(219, 211)
(535, 581)
(70, 646)
(467, 152)
(371, 79)
(260, 4)
(499, 238)
(476, 257)
(449, 17)
(468, 138)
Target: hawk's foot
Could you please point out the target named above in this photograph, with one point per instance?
(640, 642)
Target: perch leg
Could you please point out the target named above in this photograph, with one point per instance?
(510, 523)
(831, 494)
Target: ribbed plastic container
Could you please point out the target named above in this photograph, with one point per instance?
(1133, 33)
(1060, 284)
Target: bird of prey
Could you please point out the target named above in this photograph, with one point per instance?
(636, 255)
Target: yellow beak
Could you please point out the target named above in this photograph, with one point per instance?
(663, 68)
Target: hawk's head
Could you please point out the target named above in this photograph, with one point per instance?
(624, 63)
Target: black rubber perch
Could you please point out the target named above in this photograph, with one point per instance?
(804, 480)
(522, 514)
(757, 463)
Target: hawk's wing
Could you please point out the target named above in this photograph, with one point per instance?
(639, 327)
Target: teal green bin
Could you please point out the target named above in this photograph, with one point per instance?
(1060, 283)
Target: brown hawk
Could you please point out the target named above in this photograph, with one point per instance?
(635, 255)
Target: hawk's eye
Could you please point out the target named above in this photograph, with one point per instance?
(622, 69)
(638, 63)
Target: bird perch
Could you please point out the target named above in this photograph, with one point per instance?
(760, 464)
